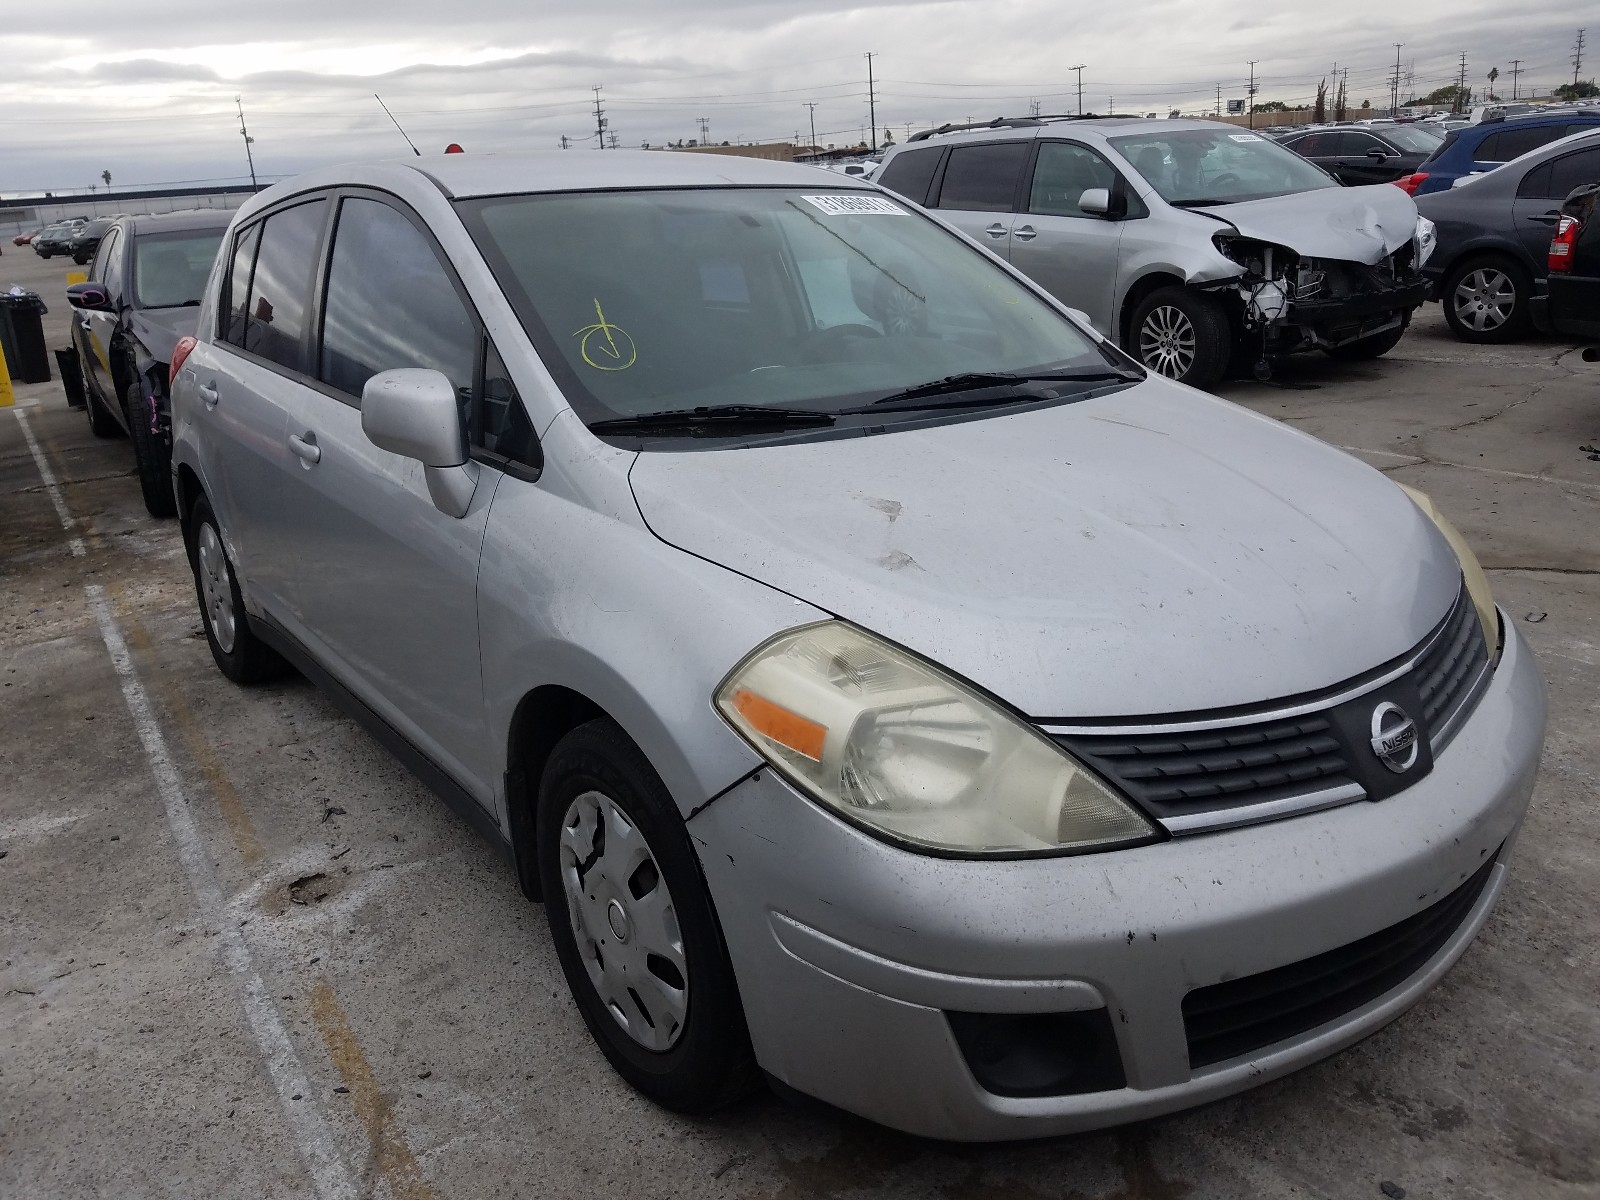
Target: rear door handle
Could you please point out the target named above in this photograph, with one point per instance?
(208, 394)
(305, 448)
(996, 230)
(1025, 234)
(1549, 218)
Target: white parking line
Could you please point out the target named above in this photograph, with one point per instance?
(50, 484)
(312, 1135)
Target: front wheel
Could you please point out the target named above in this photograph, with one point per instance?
(634, 925)
(152, 455)
(1486, 300)
(101, 423)
(1182, 335)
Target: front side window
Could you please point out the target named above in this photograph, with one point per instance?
(1199, 167)
(107, 268)
(390, 303)
(1062, 173)
(983, 178)
(280, 287)
(666, 301)
(170, 269)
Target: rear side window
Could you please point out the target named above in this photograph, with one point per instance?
(1316, 145)
(1536, 183)
(1574, 171)
(983, 178)
(911, 172)
(280, 287)
(390, 303)
(238, 289)
(1512, 143)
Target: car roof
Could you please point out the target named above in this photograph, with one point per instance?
(1023, 129)
(464, 175)
(194, 218)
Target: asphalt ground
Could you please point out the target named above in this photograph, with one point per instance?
(244, 953)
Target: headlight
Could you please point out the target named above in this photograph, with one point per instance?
(1427, 238)
(892, 742)
(1477, 581)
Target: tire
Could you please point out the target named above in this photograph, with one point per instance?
(239, 654)
(1375, 346)
(101, 423)
(1182, 335)
(153, 457)
(620, 878)
(1485, 300)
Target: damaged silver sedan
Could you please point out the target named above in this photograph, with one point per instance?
(1191, 244)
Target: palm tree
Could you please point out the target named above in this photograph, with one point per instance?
(106, 175)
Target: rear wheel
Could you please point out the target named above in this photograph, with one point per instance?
(1182, 335)
(634, 925)
(1375, 346)
(152, 455)
(239, 654)
(1486, 300)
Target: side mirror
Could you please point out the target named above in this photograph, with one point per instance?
(1096, 202)
(91, 296)
(414, 413)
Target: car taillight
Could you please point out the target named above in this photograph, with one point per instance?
(1410, 183)
(179, 353)
(1561, 245)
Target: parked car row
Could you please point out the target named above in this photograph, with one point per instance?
(57, 238)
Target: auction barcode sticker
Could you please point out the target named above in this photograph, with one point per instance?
(855, 206)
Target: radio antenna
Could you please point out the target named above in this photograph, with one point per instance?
(390, 115)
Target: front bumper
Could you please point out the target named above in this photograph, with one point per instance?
(1322, 324)
(849, 952)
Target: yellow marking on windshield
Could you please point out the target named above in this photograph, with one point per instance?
(613, 355)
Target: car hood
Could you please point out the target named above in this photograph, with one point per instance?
(158, 329)
(1353, 224)
(1154, 551)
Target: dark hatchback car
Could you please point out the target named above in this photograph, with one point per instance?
(1477, 149)
(1491, 263)
(143, 295)
(1357, 155)
(86, 240)
(1573, 304)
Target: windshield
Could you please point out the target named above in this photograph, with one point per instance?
(1218, 166)
(667, 301)
(170, 269)
(1414, 137)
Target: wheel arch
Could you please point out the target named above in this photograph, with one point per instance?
(540, 720)
(1135, 296)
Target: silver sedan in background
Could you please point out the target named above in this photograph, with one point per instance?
(887, 684)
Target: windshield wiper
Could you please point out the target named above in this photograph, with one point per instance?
(715, 415)
(1198, 203)
(952, 385)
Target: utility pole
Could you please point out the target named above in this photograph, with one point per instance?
(599, 119)
(1577, 58)
(1252, 92)
(812, 105)
(1111, 106)
(564, 140)
(1394, 84)
(244, 133)
(872, 103)
(1079, 70)
(1033, 108)
(1461, 85)
(1516, 69)
(705, 130)
(1219, 100)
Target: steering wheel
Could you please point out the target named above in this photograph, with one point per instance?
(833, 331)
(1226, 178)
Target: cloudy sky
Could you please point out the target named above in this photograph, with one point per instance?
(146, 90)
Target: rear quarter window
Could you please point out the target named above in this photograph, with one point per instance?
(911, 172)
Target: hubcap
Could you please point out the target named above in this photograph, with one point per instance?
(216, 589)
(1166, 342)
(1484, 299)
(624, 921)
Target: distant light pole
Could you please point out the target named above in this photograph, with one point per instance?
(244, 133)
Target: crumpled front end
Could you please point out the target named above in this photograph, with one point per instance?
(1292, 302)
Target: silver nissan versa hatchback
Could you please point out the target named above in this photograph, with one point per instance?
(887, 685)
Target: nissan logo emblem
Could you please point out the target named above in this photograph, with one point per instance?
(1394, 737)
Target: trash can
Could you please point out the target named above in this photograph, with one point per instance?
(22, 333)
(71, 376)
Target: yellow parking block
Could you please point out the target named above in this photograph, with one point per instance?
(7, 396)
(77, 277)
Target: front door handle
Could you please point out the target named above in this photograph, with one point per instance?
(996, 230)
(1025, 234)
(305, 448)
(209, 395)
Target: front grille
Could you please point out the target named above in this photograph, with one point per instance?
(1210, 770)
(1228, 1019)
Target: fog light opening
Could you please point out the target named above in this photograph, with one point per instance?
(1040, 1054)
